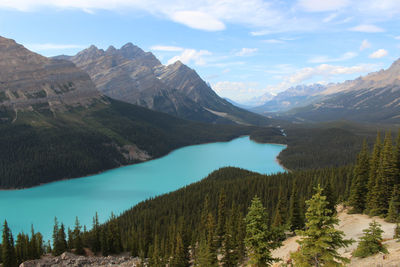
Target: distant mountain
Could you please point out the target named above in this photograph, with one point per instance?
(293, 97)
(243, 106)
(129, 74)
(373, 98)
(54, 124)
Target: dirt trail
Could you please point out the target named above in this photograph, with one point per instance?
(352, 225)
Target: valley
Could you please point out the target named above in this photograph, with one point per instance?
(199, 134)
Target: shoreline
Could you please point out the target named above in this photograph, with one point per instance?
(121, 166)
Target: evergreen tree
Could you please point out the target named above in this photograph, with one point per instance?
(78, 244)
(296, 220)
(203, 256)
(397, 157)
(70, 241)
(378, 201)
(321, 240)
(34, 252)
(221, 218)
(114, 236)
(105, 248)
(179, 258)
(397, 232)
(230, 247)
(96, 243)
(371, 241)
(59, 242)
(260, 240)
(359, 188)
(394, 205)
(373, 171)
(330, 198)
(155, 259)
(280, 210)
(8, 252)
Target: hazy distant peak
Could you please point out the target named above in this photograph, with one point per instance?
(111, 49)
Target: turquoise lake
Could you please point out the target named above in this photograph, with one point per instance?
(119, 189)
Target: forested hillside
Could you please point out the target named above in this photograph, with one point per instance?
(41, 147)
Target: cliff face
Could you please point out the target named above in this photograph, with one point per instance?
(29, 81)
(129, 74)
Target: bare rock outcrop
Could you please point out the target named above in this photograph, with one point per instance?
(71, 260)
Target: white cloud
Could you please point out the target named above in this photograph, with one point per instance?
(369, 28)
(323, 59)
(237, 91)
(322, 5)
(246, 52)
(397, 37)
(50, 46)
(198, 20)
(330, 17)
(380, 53)
(273, 41)
(326, 70)
(365, 45)
(166, 48)
(191, 55)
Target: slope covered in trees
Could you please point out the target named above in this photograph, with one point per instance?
(41, 147)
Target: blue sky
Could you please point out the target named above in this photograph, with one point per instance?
(244, 49)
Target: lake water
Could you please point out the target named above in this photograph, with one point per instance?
(119, 189)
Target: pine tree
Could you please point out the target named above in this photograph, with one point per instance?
(394, 206)
(260, 240)
(203, 256)
(296, 221)
(77, 241)
(230, 247)
(397, 232)
(373, 171)
(221, 218)
(34, 245)
(371, 241)
(8, 252)
(96, 243)
(114, 235)
(378, 201)
(280, 210)
(397, 157)
(359, 188)
(328, 192)
(179, 258)
(321, 240)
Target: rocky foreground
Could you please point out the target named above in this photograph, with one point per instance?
(71, 260)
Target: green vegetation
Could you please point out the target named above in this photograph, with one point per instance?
(260, 238)
(371, 242)
(41, 147)
(320, 240)
(319, 145)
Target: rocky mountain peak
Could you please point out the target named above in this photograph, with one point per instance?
(111, 49)
(130, 51)
(28, 79)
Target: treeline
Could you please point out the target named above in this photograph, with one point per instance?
(375, 188)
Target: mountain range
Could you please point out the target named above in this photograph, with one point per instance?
(293, 97)
(55, 124)
(129, 74)
(374, 98)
